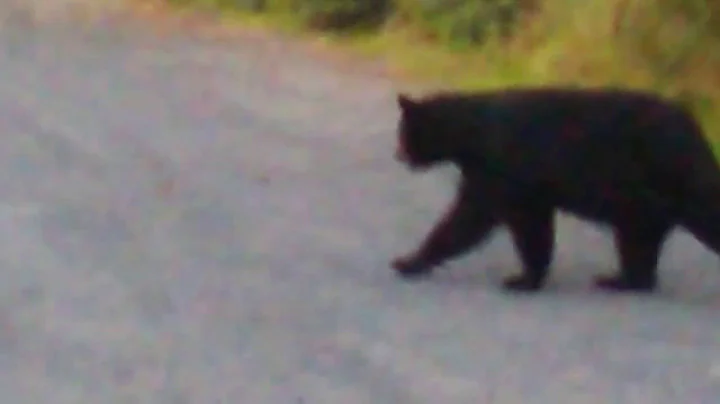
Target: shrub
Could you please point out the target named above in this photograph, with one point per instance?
(465, 21)
(244, 5)
(669, 35)
(343, 14)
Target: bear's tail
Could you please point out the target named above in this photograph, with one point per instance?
(700, 212)
(691, 170)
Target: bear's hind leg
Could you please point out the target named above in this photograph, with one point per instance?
(533, 232)
(639, 243)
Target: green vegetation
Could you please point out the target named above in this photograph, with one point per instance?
(671, 46)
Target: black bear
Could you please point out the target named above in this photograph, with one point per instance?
(624, 158)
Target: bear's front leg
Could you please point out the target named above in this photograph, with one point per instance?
(533, 232)
(465, 225)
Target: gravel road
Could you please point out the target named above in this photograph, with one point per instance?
(187, 220)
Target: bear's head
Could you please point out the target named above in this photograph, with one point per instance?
(421, 137)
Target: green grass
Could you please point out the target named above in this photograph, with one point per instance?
(567, 42)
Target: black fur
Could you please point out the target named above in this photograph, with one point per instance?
(623, 158)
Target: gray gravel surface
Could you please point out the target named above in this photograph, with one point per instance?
(196, 221)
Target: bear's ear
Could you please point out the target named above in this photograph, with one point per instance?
(405, 102)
